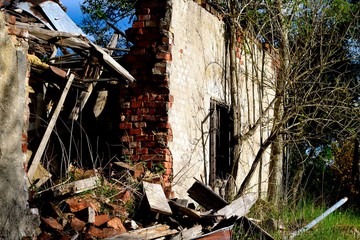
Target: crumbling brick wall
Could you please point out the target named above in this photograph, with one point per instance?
(145, 105)
(180, 59)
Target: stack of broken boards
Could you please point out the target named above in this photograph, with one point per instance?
(86, 216)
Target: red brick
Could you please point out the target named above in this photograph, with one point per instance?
(134, 144)
(140, 124)
(152, 111)
(136, 132)
(149, 144)
(51, 222)
(144, 44)
(128, 151)
(168, 165)
(77, 224)
(125, 125)
(126, 105)
(156, 104)
(142, 151)
(165, 56)
(166, 178)
(162, 151)
(10, 19)
(136, 104)
(151, 24)
(151, 118)
(138, 51)
(116, 224)
(128, 111)
(146, 17)
(138, 24)
(127, 196)
(127, 138)
(142, 138)
(159, 70)
(101, 219)
(142, 111)
(136, 118)
(154, 157)
(163, 125)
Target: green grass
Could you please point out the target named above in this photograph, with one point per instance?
(339, 225)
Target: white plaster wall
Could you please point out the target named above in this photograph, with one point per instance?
(197, 74)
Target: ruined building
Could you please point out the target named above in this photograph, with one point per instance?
(172, 108)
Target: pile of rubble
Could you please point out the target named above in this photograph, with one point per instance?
(131, 204)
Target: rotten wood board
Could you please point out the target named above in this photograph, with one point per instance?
(85, 95)
(77, 186)
(49, 129)
(206, 197)
(239, 207)
(149, 233)
(184, 210)
(189, 233)
(59, 19)
(110, 62)
(41, 175)
(156, 198)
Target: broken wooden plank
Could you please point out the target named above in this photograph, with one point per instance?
(110, 62)
(59, 38)
(77, 186)
(29, 8)
(100, 103)
(205, 196)
(156, 198)
(239, 207)
(49, 129)
(59, 19)
(184, 210)
(190, 233)
(149, 233)
(84, 95)
(137, 169)
(41, 175)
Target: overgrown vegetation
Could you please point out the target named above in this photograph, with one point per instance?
(316, 104)
(281, 221)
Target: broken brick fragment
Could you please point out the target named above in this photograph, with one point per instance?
(77, 224)
(52, 223)
(102, 219)
(116, 224)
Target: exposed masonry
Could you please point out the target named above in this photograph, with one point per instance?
(144, 106)
(146, 131)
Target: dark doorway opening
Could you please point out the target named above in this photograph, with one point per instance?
(221, 126)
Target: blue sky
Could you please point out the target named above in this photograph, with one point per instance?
(73, 9)
(74, 12)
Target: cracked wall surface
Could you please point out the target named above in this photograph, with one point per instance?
(16, 221)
